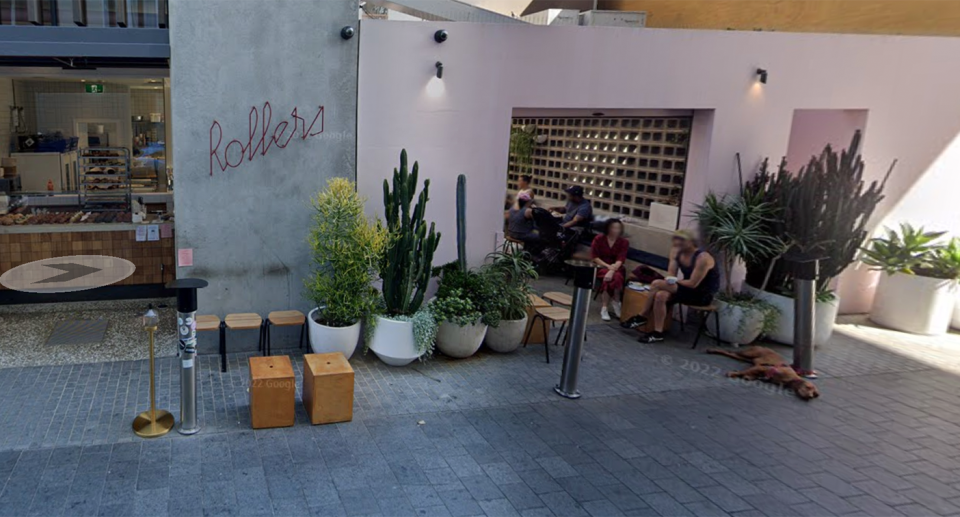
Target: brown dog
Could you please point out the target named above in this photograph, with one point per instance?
(768, 366)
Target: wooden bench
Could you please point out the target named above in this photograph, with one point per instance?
(285, 319)
(245, 321)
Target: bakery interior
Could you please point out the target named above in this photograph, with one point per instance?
(84, 155)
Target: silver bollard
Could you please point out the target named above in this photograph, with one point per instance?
(187, 331)
(583, 278)
(804, 309)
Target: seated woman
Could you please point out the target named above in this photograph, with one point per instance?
(701, 280)
(520, 225)
(609, 251)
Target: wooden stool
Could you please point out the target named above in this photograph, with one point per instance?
(704, 311)
(286, 319)
(556, 297)
(327, 388)
(535, 334)
(512, 246)
(551, 314)
(244, 321)
(207, 322)
(272, 392)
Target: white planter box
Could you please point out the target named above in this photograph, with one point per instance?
(823, 320)
(915, 304)
(460, 342)
(737, 325)
(393, 342)
(507, 337)
(664, 216)
(326, 340)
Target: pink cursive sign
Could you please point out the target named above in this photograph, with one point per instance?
(262, 137)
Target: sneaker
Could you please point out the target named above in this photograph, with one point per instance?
(604, 315)
(615, 305)
(653, 337)
(634, 322)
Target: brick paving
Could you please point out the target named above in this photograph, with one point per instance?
(658, 432)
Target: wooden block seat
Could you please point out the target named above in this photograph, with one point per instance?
(548, 314)
(239, 321)
(285, 319)
(327, 388)
(272, 392)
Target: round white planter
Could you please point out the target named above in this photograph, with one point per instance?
(915, 304)
(955, 322)
(326, 340)
(393, 342)
(460, 342)
(739, 326)
(506, 337)
(823, 319)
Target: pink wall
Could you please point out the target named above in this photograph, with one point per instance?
(812, 130)
(491, 69)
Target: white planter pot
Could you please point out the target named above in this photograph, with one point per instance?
(955, 322)
(393, 342)
(327, 340)
(915, 304)
(823, 319)
(739, 326)
(460, 342)
(506, 337)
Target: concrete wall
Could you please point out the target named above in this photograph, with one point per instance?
(489, 70)
(246, 215)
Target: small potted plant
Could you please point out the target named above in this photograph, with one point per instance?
(511, 274)
(461, 330)
(732, 228)
(405, 331)
(917, 292)
(346, 250)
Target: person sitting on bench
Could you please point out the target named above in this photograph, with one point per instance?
(701, 281)
(578, 211)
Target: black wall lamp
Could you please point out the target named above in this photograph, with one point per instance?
(347, 32)
(762, 74)
(440, 36)
(439, 70)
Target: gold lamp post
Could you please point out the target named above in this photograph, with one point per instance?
(156, 422)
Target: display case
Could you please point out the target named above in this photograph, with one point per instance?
(104, 177)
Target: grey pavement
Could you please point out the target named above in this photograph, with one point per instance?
(659, 431)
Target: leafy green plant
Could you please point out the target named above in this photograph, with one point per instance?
(511, 274)
(346, 249)
(455, 308)
(407, 261)
(522, 140)
(477, 285)
(909, 251)
(946, 260)
(771, 315)
(734, 227)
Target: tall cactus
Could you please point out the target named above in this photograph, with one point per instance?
(462, 222)
(408, 260)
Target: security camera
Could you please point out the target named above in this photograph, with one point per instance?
(347, 32)
(440, 36)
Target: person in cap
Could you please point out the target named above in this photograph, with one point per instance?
(520, 225)
(699, 283)
(578, 210)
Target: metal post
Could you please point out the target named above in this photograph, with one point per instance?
(155, 422)
(584, 275)
(805, 298)
(187, 330)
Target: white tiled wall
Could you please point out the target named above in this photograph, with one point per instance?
(143, 102)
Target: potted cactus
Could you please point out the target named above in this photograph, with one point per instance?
(405, 331)
(346, 252)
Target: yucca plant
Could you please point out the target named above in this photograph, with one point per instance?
(947, 259)
(511, 274)
(909, 251)
(347, 248)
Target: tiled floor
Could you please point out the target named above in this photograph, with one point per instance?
(658, 432)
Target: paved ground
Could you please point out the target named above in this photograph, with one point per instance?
(658, 432)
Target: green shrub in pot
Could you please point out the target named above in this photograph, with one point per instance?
(511, 274)
(917, 290)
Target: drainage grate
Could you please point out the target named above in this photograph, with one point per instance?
(75, 332)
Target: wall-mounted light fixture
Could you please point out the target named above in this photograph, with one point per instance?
(762, 75)
(439, 70)
(440, 36)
